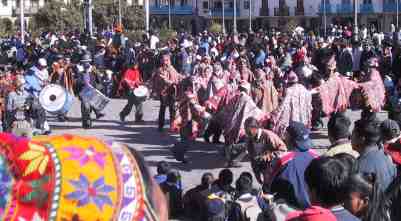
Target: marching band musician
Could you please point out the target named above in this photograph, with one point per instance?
(17, 107)
(131, 79)
(37, 78)
(85, 80)
(165, 85)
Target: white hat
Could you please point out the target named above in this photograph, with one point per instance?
(42, 62)
(186, 44)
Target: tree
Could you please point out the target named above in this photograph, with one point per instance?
(105, 14)
(57, 16)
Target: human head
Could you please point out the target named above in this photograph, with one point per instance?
(243, 185)
(389, 130)
(297, 136)
(348, 161)
(362, 195)
(19, 82)
(365, 133)
(251, 127)
(226, 177)
(42, 63)
(163, 167)
(173, 176)
(338, 127)
(326, 178)
(165, 61)
(207, 179)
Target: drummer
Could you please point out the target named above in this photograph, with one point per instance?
(131, 79)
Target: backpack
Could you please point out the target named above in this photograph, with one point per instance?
(250, 210)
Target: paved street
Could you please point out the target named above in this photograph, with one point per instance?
(153, 145)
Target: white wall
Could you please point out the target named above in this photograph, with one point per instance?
(6, 10)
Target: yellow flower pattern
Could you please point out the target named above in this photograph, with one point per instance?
(37, 157)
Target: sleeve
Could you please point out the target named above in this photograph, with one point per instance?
(276, 141)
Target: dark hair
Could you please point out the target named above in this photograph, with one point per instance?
(367, 186)
(163, 167)
(338, 126)
(251, 122)
(226, 177)
(207, 179)
(348, 161)
(368, 129)
(247, 174)
(243, 185)
(327, 176)
(173, 176)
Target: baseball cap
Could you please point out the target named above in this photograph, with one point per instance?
(389, 129)
(299, 134)
(42, 62)
(314, 213)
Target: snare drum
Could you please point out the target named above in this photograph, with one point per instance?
(141, 93)
(55, 99)
(95, 98)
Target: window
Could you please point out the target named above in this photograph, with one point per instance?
(367, 1)
(183, 2)
(346, 2)
(5, 2)
(205, 5)
(246, 4)
(327, 2)
(217, 4)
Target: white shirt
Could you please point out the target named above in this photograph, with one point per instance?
(153, 41)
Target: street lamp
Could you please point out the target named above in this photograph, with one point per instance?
(356, 3)
(324, 18)
(235, 18)
(169, 14)
(224, 23)
(250, 16)
(147, 16)
(22, 23)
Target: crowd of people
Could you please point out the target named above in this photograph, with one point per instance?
(262, 92)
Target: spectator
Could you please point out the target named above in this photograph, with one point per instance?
(288, 172)
(162, 169)
(326, 178)
(246, 206)
(339, 134)
(372, 159)
(364, 197)
(194, 199)
(392, 140)
(172, 188)
(222, 186)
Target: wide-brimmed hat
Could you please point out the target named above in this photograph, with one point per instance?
(299, 134)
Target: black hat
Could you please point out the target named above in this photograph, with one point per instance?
(299, 134)
(339, 125)
(389, 129)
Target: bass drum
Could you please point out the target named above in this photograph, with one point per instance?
(141, 93)
(55, 99)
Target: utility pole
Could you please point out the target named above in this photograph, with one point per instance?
(120, 23)
(250, 16)
(235, 18)
(325, 18)
(169, 14)
(356, 2)
(88, 17)
(22, 21)
(147, 15)
(223, 24)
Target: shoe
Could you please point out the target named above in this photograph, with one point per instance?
(161, 129)
(61, 118)
(217, 142)
(185, 161)
(47, 132)
(98, 116)
(139, 121)
(122, 118)
(206, 138)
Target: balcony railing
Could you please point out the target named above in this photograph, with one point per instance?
(299, 11)
(329, 8)
(391, 7)
(283, 11)
(344, 8)
(228, 12)
(366, 8)
(175, 10)
(28, 10)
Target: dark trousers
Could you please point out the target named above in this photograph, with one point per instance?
(214, 130)
(133, 100)
(164, 103)
(86, 110)
(38, 114)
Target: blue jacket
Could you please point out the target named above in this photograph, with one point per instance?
(374, 160)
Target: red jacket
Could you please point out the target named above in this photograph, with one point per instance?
(131, 79)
